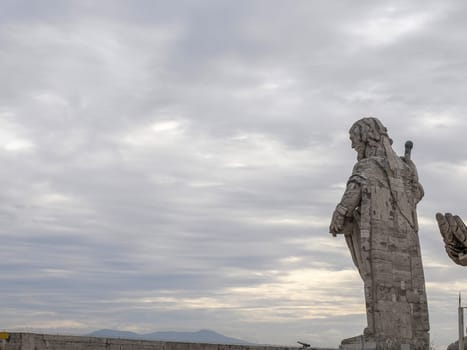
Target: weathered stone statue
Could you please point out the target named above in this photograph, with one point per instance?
(377, 215)
(454, 234)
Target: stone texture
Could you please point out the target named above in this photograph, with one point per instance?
(454, 234)
(377, 216)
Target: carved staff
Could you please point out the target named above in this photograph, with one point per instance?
(408, 149)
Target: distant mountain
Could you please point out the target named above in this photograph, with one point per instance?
(109, 333)
(202, 336)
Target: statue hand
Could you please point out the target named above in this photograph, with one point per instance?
(337, 223)
(454, 234)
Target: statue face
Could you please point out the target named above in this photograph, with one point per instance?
(358, 145)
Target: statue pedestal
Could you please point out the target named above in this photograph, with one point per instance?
(358, 343)
(369, 343)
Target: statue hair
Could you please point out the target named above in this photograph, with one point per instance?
(372, 132)
(377, 141)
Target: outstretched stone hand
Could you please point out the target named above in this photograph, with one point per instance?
(454, 234)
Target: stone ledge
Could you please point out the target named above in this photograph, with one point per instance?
(33, 341)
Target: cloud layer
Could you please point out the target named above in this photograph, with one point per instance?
(174, 166)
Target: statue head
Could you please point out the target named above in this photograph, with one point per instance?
(369, 138)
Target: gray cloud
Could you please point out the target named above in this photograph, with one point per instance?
(174, 165)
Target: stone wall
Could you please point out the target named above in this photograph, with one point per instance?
(31, 341)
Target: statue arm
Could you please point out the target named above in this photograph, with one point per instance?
(418, 190)
(350, 200)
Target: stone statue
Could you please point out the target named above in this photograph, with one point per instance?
(377, 216)
(454, 234)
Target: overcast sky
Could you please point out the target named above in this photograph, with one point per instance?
(173, 165)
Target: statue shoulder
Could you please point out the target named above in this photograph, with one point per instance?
(367, 165)
(366, 169)
(410, 164)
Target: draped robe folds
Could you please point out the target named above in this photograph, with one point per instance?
(381, 231)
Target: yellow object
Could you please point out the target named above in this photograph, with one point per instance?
(4, 335)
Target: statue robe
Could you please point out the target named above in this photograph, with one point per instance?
(381, 231)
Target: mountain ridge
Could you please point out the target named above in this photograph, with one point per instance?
(201, 336)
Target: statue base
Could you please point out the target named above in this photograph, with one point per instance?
(360, 342)
(363, 342)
